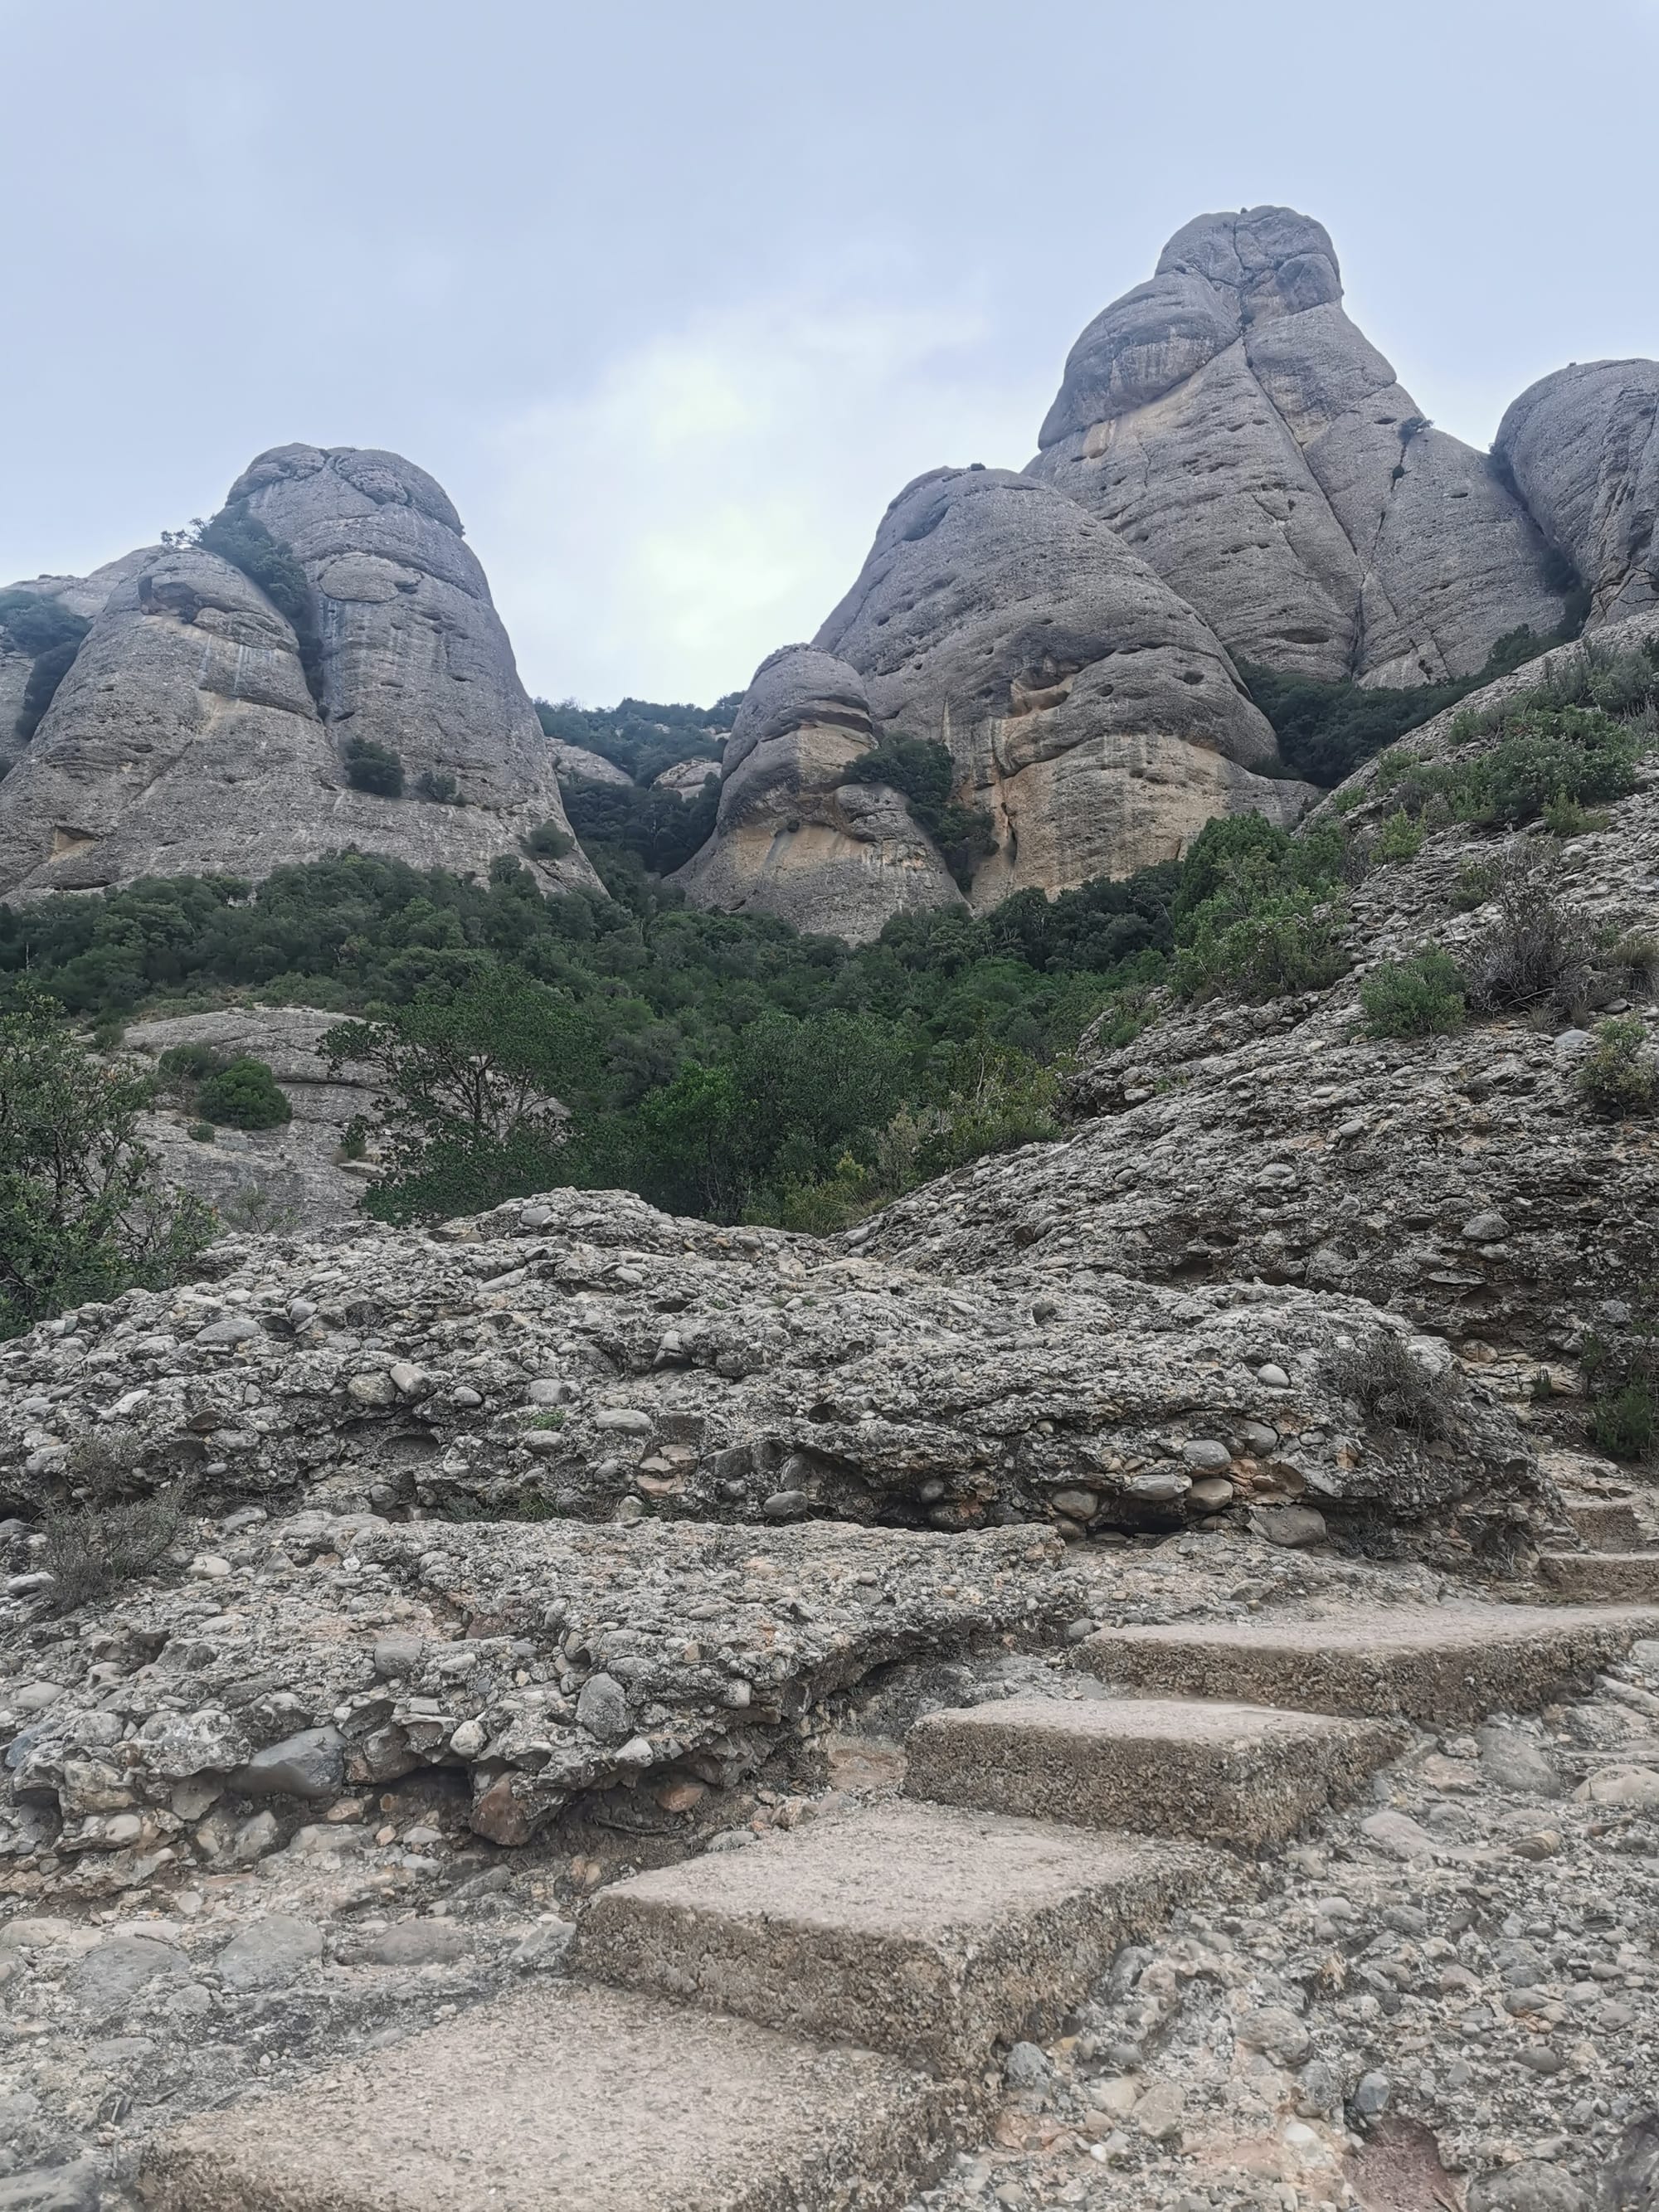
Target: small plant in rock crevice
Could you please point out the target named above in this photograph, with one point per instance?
(1388, 1385)
(1619, 1076)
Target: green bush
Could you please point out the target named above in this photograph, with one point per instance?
(922, 772)
(182, 1064)
(244, 1095)
(1258, 913)
(1476, 884)
(655, 829)
(1388, 1385)
(1535, 950)
(1623, 1424)
(1619, 1075)
(373, 767)
(548, 842)
(1327, 730)
(1400, 838)
(642, 736)
(1422, 996)
(442, 790)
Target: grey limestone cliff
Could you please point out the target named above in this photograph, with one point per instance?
(794, 837)
(185, 737)
(1251, 443)
(1092, 713)
(1583, 449)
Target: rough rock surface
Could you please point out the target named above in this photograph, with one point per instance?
(584, 1355)
(291, 1175)
(1232, 423)
(1453, 1987)
(792, 837)
(185, 738)
(1457, 1180)
(575, 763)
(1582, 446)
(1090, 711)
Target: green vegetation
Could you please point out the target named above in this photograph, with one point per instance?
(375, 768)
(1619, 1075)
(82, 1214)
(244, 1095)
(441, 789)
(642, 736)
(1621, 1375)
(48, 631)
(1327, 730)
(241, 539)
(1259, 913)
(923, 771)
(240, 1093)
(1399, 839)
(1423, 996)
(626, 829)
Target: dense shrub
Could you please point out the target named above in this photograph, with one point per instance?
(923, 771)
(441, 789)
(548, 842)
(1535, 950)
(1621, 1375)
(373, 767)
(1258, 913)
(1327, 729)
(1400, 838)
(642, 736)
(1619, 1075)
(654, 828)
(1422, 996)
(244, 1095)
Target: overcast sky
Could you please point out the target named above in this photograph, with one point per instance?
(673, 298)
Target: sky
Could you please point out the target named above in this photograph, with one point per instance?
(673, 299)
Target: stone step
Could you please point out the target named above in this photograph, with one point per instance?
(1606, 1524)
(1239, 1774)
(1614, 1577)
(921, 1929)
(1445, 1663)
(564, 2097)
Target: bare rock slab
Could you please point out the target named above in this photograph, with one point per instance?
(921, 1929)
(1608, 1524)
(1442, 1665)
(569, 2098)
(1240, 1774)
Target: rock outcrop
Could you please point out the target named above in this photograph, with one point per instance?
(1088, 710)
(185, 737)
(794, 837)
(1247, 439)
(1456, 1179)
(290, 1176)
(1583, 449)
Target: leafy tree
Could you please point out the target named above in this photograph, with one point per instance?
(473, 1087)
(642, 736)
(82, 1214)
(657, 829)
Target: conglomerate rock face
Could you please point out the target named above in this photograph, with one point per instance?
(1458, 1180)
(186, 738)
(1087, 709)
(1582, 446)
(1237, 430)
(585, 1356)
(793, 837)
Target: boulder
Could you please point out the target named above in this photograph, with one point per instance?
(1247, 439)
(1583, 449)
(792, 837)
(1094, 716)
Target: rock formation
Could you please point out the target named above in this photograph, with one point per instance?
(185, 737)
(1090, 711)
(794, 837)
(1246, 439)
(1583, 449)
